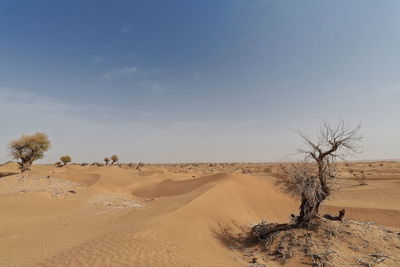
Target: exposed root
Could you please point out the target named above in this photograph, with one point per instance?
(328, 242)
(264, 230)
(336, 218)
(283, 241)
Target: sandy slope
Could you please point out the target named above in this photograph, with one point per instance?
(161, 215)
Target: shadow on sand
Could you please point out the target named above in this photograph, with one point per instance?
(238, 238)
(5, 174)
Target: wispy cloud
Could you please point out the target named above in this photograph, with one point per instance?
(146, 114)
(198, 76)
(119, 72)
(126, 28)
(15, 101)
(248, 123)
(154, 87)
(97, 59)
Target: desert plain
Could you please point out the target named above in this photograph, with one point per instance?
(174, 214)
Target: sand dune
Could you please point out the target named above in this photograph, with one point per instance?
(162, 215)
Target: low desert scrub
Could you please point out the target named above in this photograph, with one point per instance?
(65, 159)
(362, 179)
(29, 148)
(268, 170)
(139, 166)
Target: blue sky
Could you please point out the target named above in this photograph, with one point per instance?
(167, 81)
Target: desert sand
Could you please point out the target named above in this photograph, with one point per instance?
(165, 215)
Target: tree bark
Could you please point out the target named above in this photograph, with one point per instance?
(25, 166)
(309, 209)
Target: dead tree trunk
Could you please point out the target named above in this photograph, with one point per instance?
(319, 191)
(309, 209)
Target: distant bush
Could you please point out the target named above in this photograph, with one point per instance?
(114, 159)
(107, 160)
(29, 148)
(362, 180)
(65, 159)
(267, 170)
(139, 166)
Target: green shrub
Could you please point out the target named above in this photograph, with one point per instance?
(29, 148)
(65, 159)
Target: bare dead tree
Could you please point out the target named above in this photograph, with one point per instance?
(313, 182)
